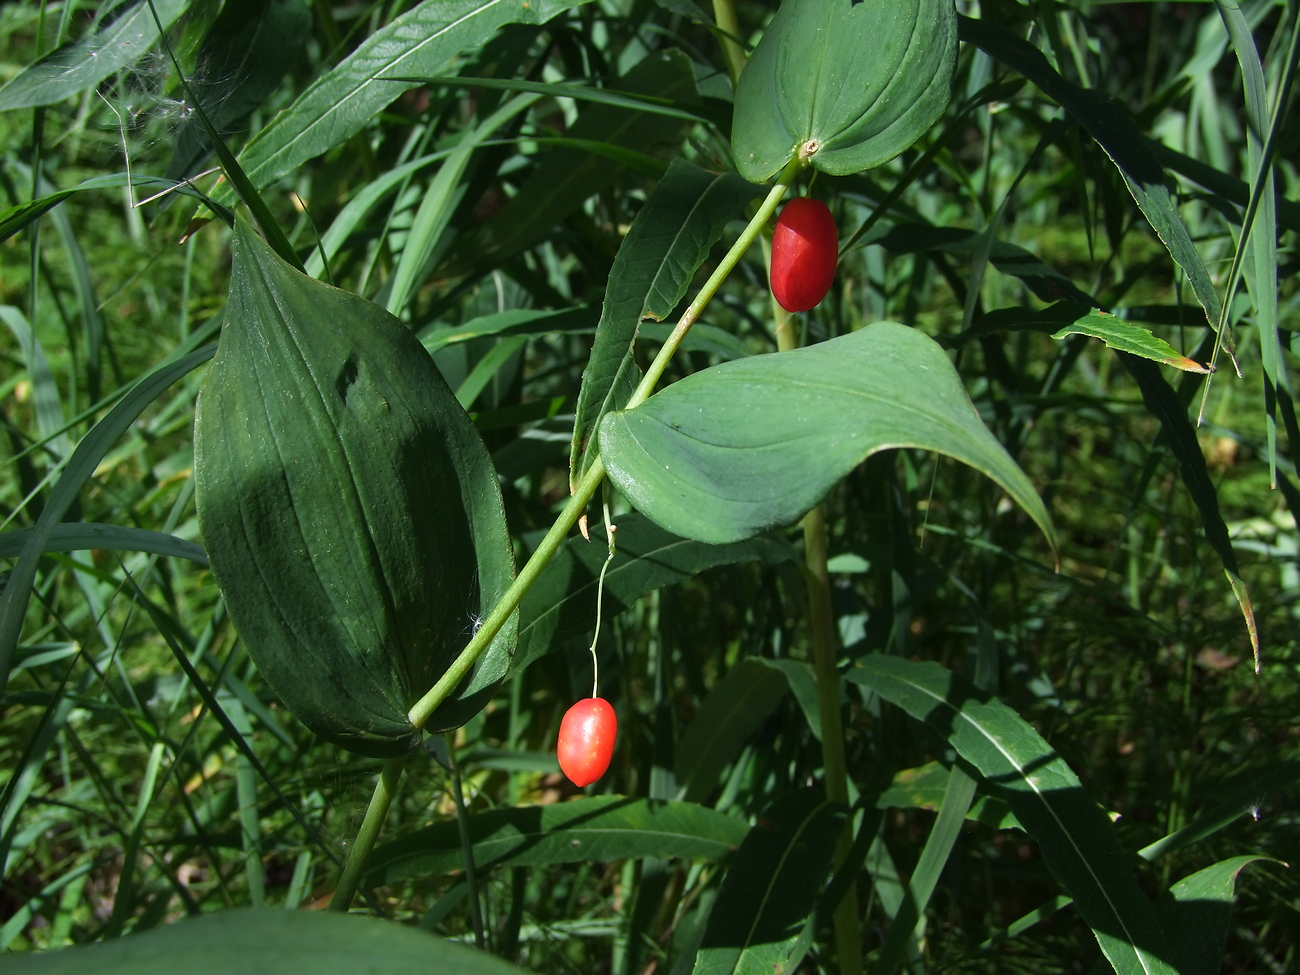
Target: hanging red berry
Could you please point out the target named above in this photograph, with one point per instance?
(805, 248)
(587, 740)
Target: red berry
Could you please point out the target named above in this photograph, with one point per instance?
(805, 248)
(587, 740)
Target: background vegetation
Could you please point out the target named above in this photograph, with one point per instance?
(131, 799)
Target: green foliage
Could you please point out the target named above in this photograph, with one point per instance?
(751, 445)
(349, 509)
(899, 738)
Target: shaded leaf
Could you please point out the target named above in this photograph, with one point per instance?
(517, 321)
(596, 828)
(1045, 281)
(802, 679)
(736, 707)
(924, 788)
(1197, 911)
(1168, 408)
(80, 536)
(349, 508)
(771, 887)
(1077, 839)
(811, 80)
(570, 173)
(753, 444)
(260, 942)
(241, 60)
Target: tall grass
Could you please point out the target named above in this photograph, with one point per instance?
(149, 774)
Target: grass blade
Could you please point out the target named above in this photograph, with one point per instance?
(1076, 839)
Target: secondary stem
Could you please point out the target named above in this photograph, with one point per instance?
(848, 937)
(376, 813)
(590, 481)
(724, 15)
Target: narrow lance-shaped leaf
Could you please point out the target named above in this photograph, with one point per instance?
(1258, 244)
(80, 467)
(1197, 911)
(1122, 141)
(1077, 840)
(771, 887)
(667, 242)
(242, 58)
(570, 174)
(1126, 337)
(1165, 405)
(80, 536)
(595, 828)
(849, 84)
(86, 62)
(423, 41)
(735, 709)
(753, 444)
(350, 510)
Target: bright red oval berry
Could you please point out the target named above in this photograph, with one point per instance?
(587, 740)
(805, 248)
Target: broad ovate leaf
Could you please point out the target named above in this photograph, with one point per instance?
(350, 512)
(753, 444)
(848, 84)
(267, 940)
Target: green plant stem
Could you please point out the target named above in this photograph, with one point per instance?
(424, 708)
(466, 846)
(848, 937)
(732, 258)
(590, 481)
(724, 15)
(376, 813)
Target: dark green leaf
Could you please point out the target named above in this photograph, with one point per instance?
(595, 828)
(517, 321)
(423, 41)
(17, 217)
(1165, 405)
(771, 887)
(79, 536)
(242, 58)
(259, 942)
(1076, 837)
(1121, 139)
(568, 175)
(735, 709)
(924, 788)
(569, 89)
(1045, 281)
(802, 679)
(849, 84)
(1197, 911)
(667, 242)
(350, 511)
(753, 444)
